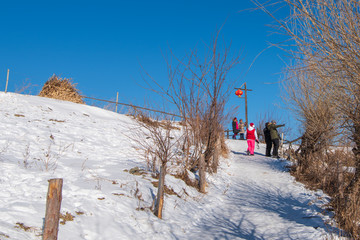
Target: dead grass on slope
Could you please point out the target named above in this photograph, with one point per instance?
(62, 89)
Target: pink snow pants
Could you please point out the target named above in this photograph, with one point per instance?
(251, 146)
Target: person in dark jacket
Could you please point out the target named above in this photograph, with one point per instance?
(235, 127)
(275, 138)
(267, 140)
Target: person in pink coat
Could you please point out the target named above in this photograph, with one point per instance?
(251, 137)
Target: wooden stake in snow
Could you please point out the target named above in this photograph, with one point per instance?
(53, 204)
(7, 80)
(117, 100)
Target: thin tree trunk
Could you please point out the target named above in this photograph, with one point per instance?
(216, 156)
(160, 195)
(202, 180)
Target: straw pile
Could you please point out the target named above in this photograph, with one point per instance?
(62, 89)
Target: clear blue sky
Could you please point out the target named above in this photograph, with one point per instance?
(102, 45)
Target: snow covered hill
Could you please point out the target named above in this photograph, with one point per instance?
(251, 197)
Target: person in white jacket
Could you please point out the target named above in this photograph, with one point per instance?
(251, 136)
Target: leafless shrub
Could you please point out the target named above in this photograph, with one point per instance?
(313, 106)
(4, 148)
(26, 156)
(158, 141)
(25, 87)
(326, 86)
(48, 161)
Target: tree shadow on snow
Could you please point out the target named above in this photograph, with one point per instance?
(276, 164)
(225, 228)
(242, 216)
(239, 153)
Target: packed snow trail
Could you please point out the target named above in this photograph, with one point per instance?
(261, 201)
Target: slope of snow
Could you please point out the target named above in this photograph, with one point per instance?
(251, 197)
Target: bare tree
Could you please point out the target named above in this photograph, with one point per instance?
(158, 141)
(199, 88)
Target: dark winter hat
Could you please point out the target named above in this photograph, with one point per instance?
(273, 122)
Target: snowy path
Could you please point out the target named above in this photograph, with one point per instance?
(260, 202)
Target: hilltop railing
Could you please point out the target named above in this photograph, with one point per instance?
(132, 106)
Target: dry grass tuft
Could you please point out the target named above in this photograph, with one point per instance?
(79, 212)
(185, 177)
(66, 217)
(225, 151)
(4, 235)
(24, 227)
(165, 124)
(137, 171)
(62, 89)
(167, 190)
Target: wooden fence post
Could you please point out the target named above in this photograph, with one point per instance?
(282, 145)
(160, 195)
(7, 81)
(117, 99)
(53, 204)
(202, 179)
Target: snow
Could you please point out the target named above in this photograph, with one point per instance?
(251, 197)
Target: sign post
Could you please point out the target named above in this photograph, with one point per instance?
(239, 92)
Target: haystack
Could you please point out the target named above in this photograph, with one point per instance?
(62, 89)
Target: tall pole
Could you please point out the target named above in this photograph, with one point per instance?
(246, 110)
(245, 89)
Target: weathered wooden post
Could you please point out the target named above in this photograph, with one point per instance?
(160, 195)
(246, 108)
(117, 100)
(53, 204)
(7, 80)
(202, 179)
